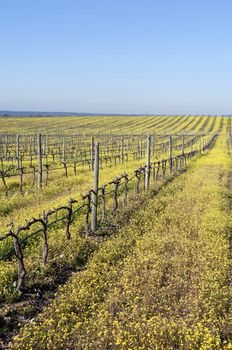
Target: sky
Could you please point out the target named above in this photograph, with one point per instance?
(124, 56)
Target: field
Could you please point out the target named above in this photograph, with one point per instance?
(154, 271)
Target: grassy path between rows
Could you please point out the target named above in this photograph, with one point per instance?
(162, 283)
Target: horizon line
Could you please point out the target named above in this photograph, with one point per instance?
(15, 113)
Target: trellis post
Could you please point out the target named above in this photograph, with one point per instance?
(122, 151)
(40, 165)
(64, 149)
(148, 162)
(17, 150)
(95, 189)
(182, 150)
(170, 153)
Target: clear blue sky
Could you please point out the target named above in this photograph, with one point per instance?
(125, 56)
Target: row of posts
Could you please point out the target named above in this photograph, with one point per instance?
(40, 155)
(95, 158)
(95, 164)
(64, 142)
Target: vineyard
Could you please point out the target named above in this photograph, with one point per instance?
(116, 232)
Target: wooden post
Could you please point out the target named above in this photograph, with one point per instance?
(170, 153)
(92, 153)
(182, 151)
(148, 162)
(64, 149)
(122, 151)
(40, 165)
(17, 151)
(95, 189)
